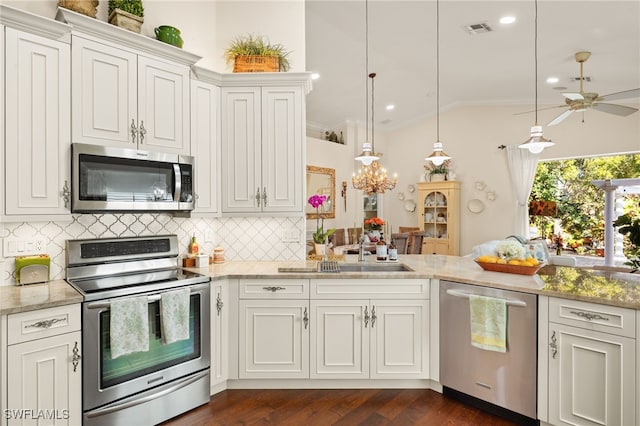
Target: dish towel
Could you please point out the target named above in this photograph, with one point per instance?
(488, 323)
(174, 315)
(129, 326)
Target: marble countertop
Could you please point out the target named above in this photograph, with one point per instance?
(611, 288)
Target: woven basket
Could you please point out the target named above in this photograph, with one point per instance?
(255, 63)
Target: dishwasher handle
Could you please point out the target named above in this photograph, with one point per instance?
(509, 302)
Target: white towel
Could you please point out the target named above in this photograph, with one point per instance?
(129, 326)
(174, 315)
(488, 323)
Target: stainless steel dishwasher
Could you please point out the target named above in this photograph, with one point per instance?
(505, 380)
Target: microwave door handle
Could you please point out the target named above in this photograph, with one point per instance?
(178, 179)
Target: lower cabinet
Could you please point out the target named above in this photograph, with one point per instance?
(592, 364)
(44, 376)
(369, 339)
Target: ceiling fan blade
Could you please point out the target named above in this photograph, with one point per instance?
(573, 96)
(620, 110)
(633, 93)
(540, 109)
(559, 118)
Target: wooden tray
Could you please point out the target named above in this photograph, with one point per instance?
(511, 269)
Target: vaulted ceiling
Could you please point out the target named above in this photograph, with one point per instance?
(488, 68)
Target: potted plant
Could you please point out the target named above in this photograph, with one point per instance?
(320, 237)
(85, 7)
(128, 14)
(251, 53)
(438, 172)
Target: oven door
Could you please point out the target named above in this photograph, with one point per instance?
(106, 380)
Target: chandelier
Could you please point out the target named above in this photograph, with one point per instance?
(372, 178)
(438, 156)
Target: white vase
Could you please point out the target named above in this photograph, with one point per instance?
(320, 249)
(374, 235)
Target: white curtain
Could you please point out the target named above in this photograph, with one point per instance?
(522, 168)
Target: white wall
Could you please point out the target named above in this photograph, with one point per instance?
(207, 26)
(471, 135)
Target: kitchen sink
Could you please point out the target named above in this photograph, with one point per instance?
(374, 267)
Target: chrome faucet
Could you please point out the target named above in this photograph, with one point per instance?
(361, 249)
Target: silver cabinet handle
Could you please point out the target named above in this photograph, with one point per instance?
(366, 316)
(142, 131)
(589, 316)
(305, 318)
(219, 304)
(75, 360)
(258, 197)
(66, 194)
(264, 197)
(273, 289)
(374, 317)
(553, 345)
(45, 323)
(134, 131)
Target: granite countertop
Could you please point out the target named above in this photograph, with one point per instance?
(596, 286)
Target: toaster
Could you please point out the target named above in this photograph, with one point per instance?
(32, 269)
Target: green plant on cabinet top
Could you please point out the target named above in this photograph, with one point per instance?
(133, 7)
(256, 45)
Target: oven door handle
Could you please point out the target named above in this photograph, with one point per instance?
(509, 302)
(127, 404)
(107, 305)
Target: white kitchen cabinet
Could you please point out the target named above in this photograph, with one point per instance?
(367, 329)
(219, 335)
(273, 329)
(205, 142)
(121, 98)
(43, 366)
(262, 149)
(592, 364)
(128, 90)
(37, 123)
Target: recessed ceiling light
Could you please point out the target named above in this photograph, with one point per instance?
(553, 80)
(507, 19)
(390, 107)
(315, 76)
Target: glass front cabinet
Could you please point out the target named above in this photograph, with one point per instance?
(439, 217)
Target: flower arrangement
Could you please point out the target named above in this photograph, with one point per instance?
(319, 237)
(510, 249)
(373, 224)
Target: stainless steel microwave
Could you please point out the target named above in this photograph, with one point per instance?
(108, 179)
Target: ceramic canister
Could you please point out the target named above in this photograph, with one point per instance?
(169, 35)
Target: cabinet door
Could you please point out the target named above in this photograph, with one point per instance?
(340, 339)
(205, 144)
(591, 378)
(219, 333)
(240, 150)
(399, 339)
(37, 124)
(104, 94)
(41, 376)
(282, 149)
(274, 339)
(163, 106)
(430, 246)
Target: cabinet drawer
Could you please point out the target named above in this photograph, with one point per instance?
(26, 326)
(592, 316)
(370, 289)
(274, 289)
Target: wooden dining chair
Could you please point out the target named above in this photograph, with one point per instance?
(401, 240)
(338, 238)
(415, 242)
(350, 234)
(408, 229)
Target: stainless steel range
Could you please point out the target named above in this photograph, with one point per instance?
(145, 387)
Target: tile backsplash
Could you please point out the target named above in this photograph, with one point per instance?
(243, 238)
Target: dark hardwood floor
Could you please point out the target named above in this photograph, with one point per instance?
(346, 407)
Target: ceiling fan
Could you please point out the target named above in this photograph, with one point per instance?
(582, 101)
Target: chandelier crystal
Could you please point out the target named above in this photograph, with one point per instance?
(373, 179)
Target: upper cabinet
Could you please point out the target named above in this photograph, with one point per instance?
(439, 217)
(128, 90)
(36, 116)
(263, 144)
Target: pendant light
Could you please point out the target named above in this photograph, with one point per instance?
(368, 155)
(438, 156)
(536, 142)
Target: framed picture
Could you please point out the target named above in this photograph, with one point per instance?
(538, 249)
